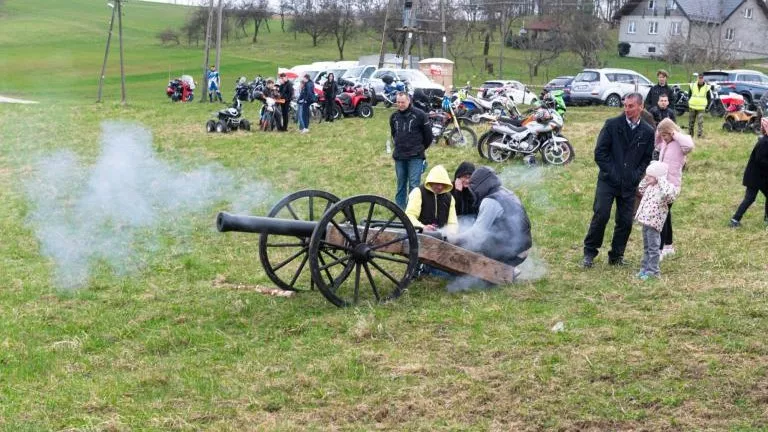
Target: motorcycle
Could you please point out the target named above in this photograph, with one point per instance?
(392, 88)
(499, 104)
(541, 135)
(679, 100)
(716, 107)
(270, 117)
(181, 89)
(445, 125)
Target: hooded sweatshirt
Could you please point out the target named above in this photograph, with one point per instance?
(465, 202)
(502, 230)
(425, 207)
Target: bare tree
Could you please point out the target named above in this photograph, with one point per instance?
(586, 35)
(339, 19)
(543, 48)
(308, 20)
(167, 36)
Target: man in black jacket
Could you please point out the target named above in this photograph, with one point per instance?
(623, 151)
(662, 110)
(659, 89)
(286, 93)
(412, 135)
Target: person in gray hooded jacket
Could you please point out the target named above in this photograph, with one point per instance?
(502, 230)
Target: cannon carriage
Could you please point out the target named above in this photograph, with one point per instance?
(360, 249)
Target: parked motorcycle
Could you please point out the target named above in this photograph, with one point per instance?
(392, 88)
(445, 125)
(542, 135)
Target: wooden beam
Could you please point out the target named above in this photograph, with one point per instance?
(438, 253)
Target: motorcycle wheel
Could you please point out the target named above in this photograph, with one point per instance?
(496, 154)
(557, 153)
(461, 137)
(337, 114)
(245, 125)
(481, 144)
(365, 110)
(387, 103)
(210, 126)
(717, 110)
(221, 127)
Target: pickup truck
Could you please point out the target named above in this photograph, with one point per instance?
(748, 83)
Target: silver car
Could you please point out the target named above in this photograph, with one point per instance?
(416, 80)
(608, 86)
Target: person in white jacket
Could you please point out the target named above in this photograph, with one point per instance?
(658, 193)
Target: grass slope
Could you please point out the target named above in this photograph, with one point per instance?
(163, 349)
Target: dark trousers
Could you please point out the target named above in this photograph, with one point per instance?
(328, 108)
(749, 197)
(285, 109)
(605, 195)
(666, 232)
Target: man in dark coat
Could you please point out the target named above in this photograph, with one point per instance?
(755, 177)
(465, 202)
(662, 110)
(412, 135)
(502, 230)
(286, 93)
(623, 151)
(652, 99)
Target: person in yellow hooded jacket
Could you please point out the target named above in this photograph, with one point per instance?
(431, 205)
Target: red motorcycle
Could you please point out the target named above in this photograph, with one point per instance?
(353, 100)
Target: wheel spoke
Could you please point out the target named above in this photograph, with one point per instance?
(370, 279)
(327, 272)
(385, 273)
(391, 258)
(311, 208)
(357, 282)
(334, 246)
(353, 221)
(293, 257)
(335, 262)
(343, 233)
(382, 228)
(293, 213)
(298, 272)
(391, 242)
(368, 221)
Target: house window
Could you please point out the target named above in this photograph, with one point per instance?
(671, 5)
(631, 27)
(729, 33)
(675, 28)
(653, 27)
(651, 49)
(652, 4)
(748, 13)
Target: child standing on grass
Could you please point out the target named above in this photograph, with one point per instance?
(755, 176)
(658, 193)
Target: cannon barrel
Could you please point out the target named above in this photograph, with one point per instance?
(264, 225)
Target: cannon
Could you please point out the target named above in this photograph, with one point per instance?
(363, 248)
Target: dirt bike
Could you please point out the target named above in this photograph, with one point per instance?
(506, 141)
(445, 125)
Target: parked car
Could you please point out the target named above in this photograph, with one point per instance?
(749, 84)
(416, 80)
(515, 89)
(608, 86)
(359, 74)
(561, 83)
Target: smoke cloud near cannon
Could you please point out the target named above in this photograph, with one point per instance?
(116, 210)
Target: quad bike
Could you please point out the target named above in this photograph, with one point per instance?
(353, 101)
(542, 135)
(445, 125)
(229, 119)
(737, 119)
(181, 89)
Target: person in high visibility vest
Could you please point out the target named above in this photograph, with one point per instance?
(698, 101)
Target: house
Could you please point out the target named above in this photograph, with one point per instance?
(736, 27)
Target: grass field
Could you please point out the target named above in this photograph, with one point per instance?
(151, 342)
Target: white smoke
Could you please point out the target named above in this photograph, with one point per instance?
(117, 209)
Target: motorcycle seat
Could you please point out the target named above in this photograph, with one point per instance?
(509, 129)
(509, 121)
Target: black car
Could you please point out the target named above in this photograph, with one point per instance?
(561, 83)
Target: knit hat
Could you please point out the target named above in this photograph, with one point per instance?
(657, 169)
(464, 169)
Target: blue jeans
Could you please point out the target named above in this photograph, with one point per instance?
(303, 116)
(408, 174)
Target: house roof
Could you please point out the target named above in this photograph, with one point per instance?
(709, 11)
(544, 24)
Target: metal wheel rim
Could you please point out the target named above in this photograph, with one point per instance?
(556, 153)
(497, 155)
(297, 247)
(613, 101)
(385, 274)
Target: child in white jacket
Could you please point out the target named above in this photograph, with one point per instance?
(658, 193)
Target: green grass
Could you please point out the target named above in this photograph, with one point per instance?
(163, 349)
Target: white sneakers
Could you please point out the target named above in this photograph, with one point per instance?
(667, 252)
(304, 131)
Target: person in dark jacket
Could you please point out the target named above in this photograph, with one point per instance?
(652, 99)
(623, 151)
(465, 202)
(755, 177)
(286, 93)
(330, 90)
(662, 111)
(502, 230)
(412, 135)
(306, 97)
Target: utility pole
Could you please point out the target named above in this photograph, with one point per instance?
(207, 53)
(442, 19)
(505, 29)
(120, 36)
(384, 35)
(106, 52)
(408, 27)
